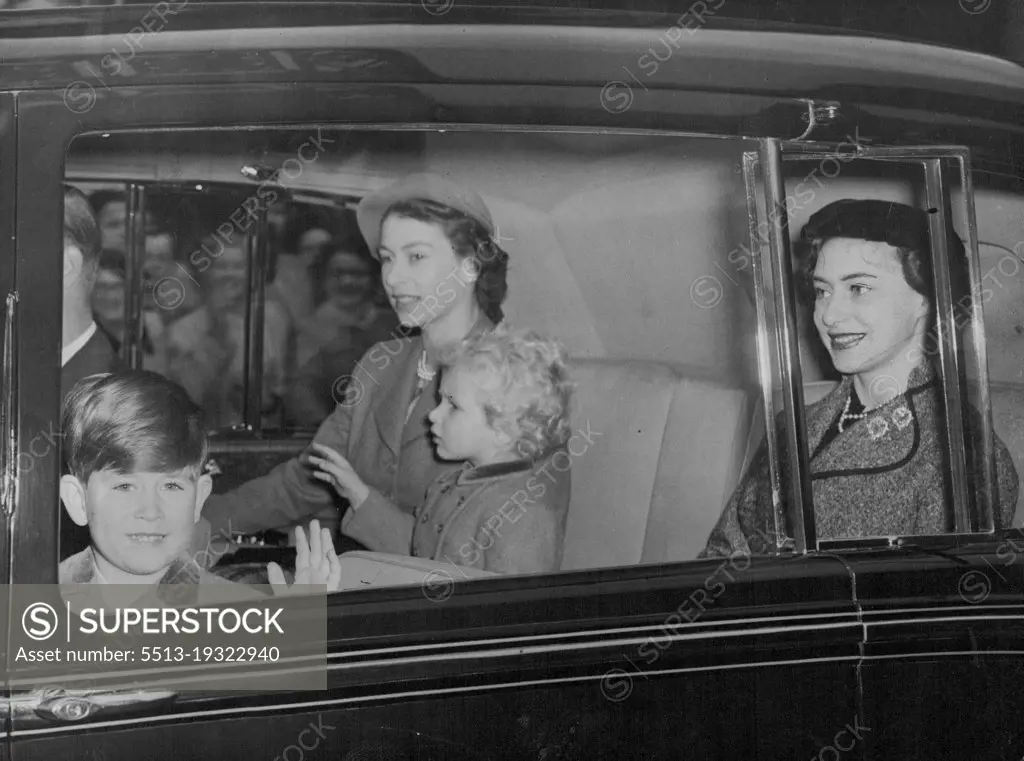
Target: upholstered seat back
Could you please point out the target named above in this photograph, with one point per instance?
(664, 453)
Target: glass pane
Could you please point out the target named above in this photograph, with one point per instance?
(197, 307)
(328, 286)
(882, 445)
(1001, 265)
(633, 252)
(323, 303)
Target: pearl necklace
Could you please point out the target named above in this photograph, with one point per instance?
(848, 416)
(424, 371)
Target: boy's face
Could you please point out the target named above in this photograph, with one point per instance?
(459, 423)
(139, 522)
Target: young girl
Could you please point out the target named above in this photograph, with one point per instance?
(505, 412)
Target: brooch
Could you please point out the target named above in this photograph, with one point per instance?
(877, 427)
(902, 417)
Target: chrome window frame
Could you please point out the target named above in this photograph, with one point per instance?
(135, 241)
(770, 157)
(257, 250)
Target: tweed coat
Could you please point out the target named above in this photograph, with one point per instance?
(884, 475)
(505, 518)
(368, 428)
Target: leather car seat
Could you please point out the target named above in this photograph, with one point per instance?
(667, 446)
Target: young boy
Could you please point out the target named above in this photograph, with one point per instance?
(505, 412)
(135, 445)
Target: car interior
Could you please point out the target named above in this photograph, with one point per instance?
(634, 252)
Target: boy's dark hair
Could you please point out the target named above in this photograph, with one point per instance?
(131, 421)
(80, 225)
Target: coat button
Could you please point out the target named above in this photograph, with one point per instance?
(460, 501)
(425, 518)
(439, 527)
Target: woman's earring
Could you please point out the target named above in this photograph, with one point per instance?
(471, 269)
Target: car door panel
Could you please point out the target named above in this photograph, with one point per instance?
(10, 462)
(932, 623)
(534, 668)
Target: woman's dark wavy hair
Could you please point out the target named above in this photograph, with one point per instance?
(469, 238)
(901, 226)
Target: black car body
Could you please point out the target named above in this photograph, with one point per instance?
(892, 647)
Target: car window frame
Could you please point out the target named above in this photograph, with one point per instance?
(112, 116)
(137, 189)
(797, 507)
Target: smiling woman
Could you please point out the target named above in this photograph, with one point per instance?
(876, 442)
(444, 275)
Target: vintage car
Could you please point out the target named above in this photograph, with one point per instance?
(647, 172)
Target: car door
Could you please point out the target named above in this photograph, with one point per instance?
(630, 662)
(9, 408)
(941, 612)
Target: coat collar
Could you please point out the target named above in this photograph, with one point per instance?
(469, 474)
(397, 389)
(184, 573)
(885, 440)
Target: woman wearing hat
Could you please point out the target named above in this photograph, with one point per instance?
(444, 275)
(877, 451)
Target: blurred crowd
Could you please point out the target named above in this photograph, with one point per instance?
(324, 307)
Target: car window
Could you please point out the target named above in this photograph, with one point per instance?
(624, 249)
(639, 256)
(898, 399)
(322, 302)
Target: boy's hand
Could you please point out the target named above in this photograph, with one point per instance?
(335, 470)
(315, 561)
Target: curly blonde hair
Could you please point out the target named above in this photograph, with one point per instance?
(528, 391)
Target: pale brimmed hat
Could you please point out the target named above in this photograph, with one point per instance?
(418, 187)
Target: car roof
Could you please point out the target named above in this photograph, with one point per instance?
(485, 43)
(526, 65)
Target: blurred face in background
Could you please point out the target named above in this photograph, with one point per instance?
(277, 218)
(311, 244)
(108, 300)
(158, 263)
(111, 222)
(226, 280)
(349, 279)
